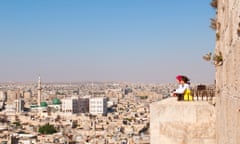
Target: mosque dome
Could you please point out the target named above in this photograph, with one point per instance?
(43, 104)
(56, 101)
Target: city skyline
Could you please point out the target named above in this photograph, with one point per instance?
(133, 41)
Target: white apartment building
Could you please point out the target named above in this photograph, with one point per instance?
(17, 106)
(75, 105)
(69, 105)
(98, 105)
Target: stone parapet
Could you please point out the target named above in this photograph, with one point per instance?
(174, 122)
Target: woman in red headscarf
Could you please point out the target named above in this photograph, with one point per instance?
(183, 82)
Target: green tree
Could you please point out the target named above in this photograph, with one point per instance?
(47, 129)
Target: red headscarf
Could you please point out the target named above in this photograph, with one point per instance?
(179, 77)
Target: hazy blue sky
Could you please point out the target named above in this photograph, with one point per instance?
(105, 40)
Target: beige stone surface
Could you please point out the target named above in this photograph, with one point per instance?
(228, 75)
(174, 122)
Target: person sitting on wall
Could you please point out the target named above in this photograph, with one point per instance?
(184, 83)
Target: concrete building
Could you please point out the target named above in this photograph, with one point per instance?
(27, 94)
(3, 96)
(19, 105)
(12, 95)
(98, 105)
(15, 107)
(70, 105)
(23, 139)
(10, 108)
(75, 105)
(83, 105)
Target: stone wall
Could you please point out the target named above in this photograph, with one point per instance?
(228, 74)
(174, 122)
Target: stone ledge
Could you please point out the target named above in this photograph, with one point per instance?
(176, 122)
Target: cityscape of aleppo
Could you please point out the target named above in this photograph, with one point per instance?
(79, 112)
(85, 112)
(119, 72)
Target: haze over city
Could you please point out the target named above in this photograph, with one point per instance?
(127, 40)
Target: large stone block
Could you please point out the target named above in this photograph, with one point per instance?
(174, 122)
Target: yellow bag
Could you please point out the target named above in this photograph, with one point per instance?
(187, 95)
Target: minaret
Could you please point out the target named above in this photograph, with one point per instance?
(39, 90)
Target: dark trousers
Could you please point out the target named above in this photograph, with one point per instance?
(180, 97)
